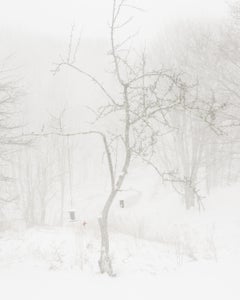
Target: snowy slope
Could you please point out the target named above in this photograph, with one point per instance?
(181, 255)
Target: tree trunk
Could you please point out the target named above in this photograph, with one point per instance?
(62, 202)
(43, 212)
(105, 263)
(29, 212)
(189, 197)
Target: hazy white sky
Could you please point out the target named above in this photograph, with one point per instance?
(56, 16)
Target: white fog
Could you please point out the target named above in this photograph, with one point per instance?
(120, 149)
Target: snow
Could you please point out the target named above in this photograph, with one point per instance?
(193, 282)
(178, 255)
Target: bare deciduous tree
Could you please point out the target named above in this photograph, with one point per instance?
(142, 102)
(10, 131)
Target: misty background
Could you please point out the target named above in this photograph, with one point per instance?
(141, 183)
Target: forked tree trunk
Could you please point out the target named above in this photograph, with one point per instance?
(105, 263)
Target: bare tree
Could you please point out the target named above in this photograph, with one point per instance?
(194, 149)
(142, 102)
(57, 124)
(10, 131)
(26, 184)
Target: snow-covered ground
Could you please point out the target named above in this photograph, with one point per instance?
(165, 254)
(203, 281)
